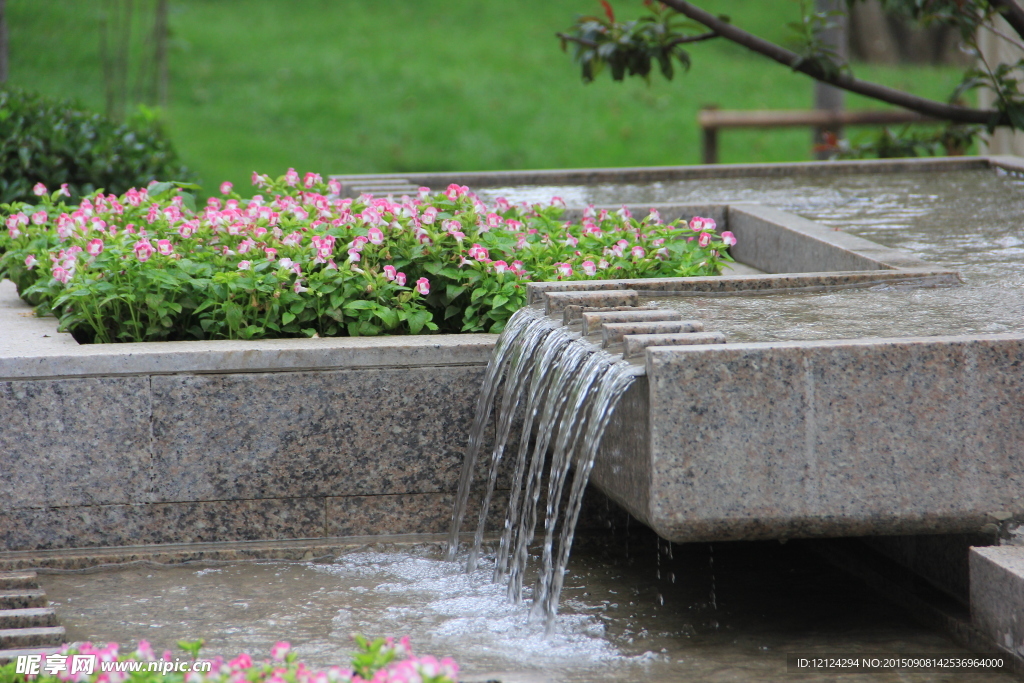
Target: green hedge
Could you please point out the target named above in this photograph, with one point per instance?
(53, 142)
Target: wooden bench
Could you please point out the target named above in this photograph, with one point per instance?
(711, 120)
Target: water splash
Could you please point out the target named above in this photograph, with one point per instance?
(570, 389)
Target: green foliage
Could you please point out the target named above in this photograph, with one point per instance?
(56, 142)
(630, 48)
(950, 140)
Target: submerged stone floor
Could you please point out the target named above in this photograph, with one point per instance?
(632, 610)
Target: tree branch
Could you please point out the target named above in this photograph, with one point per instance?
(932, 108)
(1012, 12)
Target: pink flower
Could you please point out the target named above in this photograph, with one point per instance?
(245, 245)
(298, 288)
(499, 266)
(478, 252)
(375, 236)
(165, 247)
(423, 286)
(571, 241)
(454, 191)
(292, 239)
(188, 228)
(39, 189)
(39, 217)
(94, 247)
(654, 216)
(589, 268)
(353, 255)
(518, 268)
(61, 274)
(30, 261)
(602, 264)
(279, 650)
(624, 212)
(64, 190)
(638, 252)
(703, 240)
(143, 250)
(400, 279)
(429, 215)
(334, 186)
(291, 178)
(423, 192)
(698, 224)
(451, 226)
(225, 187)
(558, 201)
(312, 179)
(244, 265)
(563, 270)
(242, 661)
(259, 180)
(728, 238)
(390, 273)
(270, 252)
(145, 651)
(502, 204)
(493, 221)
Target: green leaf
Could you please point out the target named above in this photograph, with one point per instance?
(287, 317)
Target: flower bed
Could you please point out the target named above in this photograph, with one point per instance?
(150, 266)
(379, 661)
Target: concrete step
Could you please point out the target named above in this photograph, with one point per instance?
(11, 655)
(22, 598)
(40, 636)
(10, 580)
(27, 618)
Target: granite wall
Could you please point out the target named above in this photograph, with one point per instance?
(838, 438)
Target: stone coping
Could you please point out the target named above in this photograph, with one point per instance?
(647, 174)
(31, 348)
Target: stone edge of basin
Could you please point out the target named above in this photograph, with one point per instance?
(647, 174)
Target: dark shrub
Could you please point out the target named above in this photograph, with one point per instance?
(43, 140)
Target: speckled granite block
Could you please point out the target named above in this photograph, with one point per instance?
(113, 525)
(635, 344)
(74, 442)
(838, 438)
(555, 302)
(421, 513)
(383, 431)
(612, 333)
(574, 313)
(592, 321)
(997, 595)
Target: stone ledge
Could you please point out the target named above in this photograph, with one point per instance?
(997, 596)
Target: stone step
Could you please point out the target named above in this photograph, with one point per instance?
(28, 617)
(22, 598)
(39, 636)
(18, 580)
(612, 333)
(636, 343)
(592, 322)
(11, 655)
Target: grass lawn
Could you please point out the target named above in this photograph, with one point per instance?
(351, 86)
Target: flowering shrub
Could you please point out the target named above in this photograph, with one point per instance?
(379, 661)
(297, 260)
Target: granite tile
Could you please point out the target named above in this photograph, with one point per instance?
(420, 513)
(194, 522)
(592, 321)
(74, 442)
(597, 297)
(613, 332)
(379, 431)
(636, 344)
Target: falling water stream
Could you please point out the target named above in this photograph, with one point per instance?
(573, 387)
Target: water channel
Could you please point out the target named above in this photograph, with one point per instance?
(633, 608)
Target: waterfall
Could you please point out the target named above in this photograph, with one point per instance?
(570, 389)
